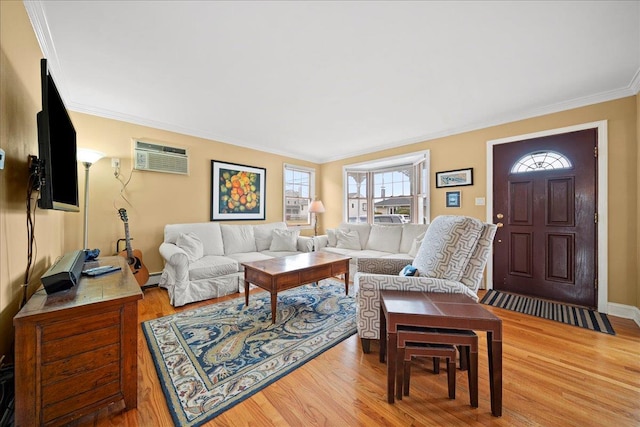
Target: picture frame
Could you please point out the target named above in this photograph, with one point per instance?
(454, 178)
(237, 191)
(453, 199)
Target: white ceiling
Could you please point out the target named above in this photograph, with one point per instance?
(327, 80)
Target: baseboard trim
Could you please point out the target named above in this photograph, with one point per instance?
(624, 311)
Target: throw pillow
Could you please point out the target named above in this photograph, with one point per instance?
(416, 245)
(348, 240)
(331, 235)
(284, 240)
(192, 245)
(408, 270)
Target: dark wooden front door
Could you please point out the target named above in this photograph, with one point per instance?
(547, 244)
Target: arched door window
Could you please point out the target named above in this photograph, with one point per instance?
(541, 161)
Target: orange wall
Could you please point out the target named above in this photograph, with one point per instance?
(157, 198)
(469, 150)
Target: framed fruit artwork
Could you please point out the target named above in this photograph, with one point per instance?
(237, 191)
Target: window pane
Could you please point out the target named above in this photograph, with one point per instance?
(541, 161)
(297, 195)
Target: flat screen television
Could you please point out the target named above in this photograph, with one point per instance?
(56, 150)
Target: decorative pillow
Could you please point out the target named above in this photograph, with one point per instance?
(331, 235)
(408, 270)
(263, 234)
(348, 240)
(416, 245)
(192, 245)
(284, 240)
(447, 247)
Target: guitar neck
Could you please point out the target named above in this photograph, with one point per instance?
(128, 240)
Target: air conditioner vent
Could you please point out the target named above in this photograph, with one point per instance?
(160, 158)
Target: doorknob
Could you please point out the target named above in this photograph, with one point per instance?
(499, 216)
(499, 224)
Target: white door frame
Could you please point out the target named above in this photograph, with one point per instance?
(602, 180)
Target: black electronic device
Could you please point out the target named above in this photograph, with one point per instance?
(58, 168)
(65, 273)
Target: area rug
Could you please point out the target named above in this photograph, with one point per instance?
(569, 314)
(213, 357)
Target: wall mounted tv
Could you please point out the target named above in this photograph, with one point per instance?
(56, 150)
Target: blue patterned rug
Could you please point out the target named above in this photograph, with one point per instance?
(213, 357)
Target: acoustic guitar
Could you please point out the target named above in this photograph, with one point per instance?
(134, 257)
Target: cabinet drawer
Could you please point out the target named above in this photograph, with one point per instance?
(59, 330)
(315, 274)
(80, 364)
(74, 388)
(66, 347)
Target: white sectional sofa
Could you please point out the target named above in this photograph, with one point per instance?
(203, 260)
(362, 240)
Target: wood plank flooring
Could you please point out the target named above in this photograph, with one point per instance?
(554, 375)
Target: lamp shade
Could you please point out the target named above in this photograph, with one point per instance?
(316, 207)
(89, 156)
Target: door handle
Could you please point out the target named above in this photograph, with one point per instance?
(499, 224)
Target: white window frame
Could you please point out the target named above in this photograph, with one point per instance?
(312, 191)
(417, 161)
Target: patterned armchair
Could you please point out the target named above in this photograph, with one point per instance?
(451, 259)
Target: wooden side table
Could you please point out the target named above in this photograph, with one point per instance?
(76, 350)
(444, 311)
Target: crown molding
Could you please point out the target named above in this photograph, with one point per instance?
(634, 86)
(37, 16)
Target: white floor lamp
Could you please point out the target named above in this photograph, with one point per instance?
(87, 157)
(315, 208)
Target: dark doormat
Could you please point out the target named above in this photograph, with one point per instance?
(564, 313)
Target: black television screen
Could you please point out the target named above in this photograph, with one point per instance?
(56, 149)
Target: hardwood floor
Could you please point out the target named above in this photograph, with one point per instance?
(554, 375)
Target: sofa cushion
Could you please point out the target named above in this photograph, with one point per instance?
(447, 247)
(284, 240)
(415, 245)
(363, 230)
(209, 234)
(238, 239)
(409, 234)
(249, 257)
(384, 238)
(348, 240)
(212, 266)
(192, 245)
(331, 236)
(263, 234)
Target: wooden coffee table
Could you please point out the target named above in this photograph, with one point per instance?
(279, 274)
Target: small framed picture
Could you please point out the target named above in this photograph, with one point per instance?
(455, 178)
(454, 199)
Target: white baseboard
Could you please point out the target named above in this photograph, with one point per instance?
(154, 278)
(624, 311)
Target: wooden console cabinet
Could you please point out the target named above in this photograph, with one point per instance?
(76, 350)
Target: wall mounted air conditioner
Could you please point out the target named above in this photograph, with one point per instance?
(160, 158)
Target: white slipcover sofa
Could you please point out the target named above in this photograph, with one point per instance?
(203, 260)
(362, 240)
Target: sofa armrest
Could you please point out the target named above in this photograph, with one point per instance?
(305, 244)
(320, 242)
(176, 264)
(389, 266)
